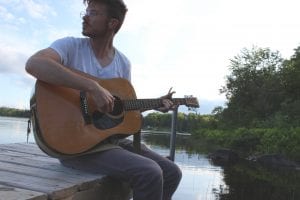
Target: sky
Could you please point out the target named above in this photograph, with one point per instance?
(183, 44)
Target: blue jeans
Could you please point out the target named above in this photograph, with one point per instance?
(150, 175)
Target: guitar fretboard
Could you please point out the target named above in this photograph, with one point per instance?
(146, 104)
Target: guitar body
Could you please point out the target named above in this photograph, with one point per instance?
(60, 125)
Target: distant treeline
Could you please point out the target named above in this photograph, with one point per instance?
(262, 112)
(13, 112)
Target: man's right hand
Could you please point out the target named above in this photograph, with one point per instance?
(104, 100)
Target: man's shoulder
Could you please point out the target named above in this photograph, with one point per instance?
(72, 40)
(122, 56)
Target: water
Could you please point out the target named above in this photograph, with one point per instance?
(13, 130)
(201, 180)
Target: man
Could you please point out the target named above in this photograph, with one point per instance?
(151, 176)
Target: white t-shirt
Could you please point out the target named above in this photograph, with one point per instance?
(77, 53)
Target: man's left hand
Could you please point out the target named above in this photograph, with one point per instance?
(167, 102)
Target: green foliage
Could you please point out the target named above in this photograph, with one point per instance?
(283, 141)
(205, 130)
(185, 122)
(13, 112)
(253, 88)
(252, 141)
(245, 140)
(262, 88)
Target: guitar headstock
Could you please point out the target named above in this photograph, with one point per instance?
(191, 101)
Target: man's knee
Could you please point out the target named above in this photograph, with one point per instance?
(148, 173)
(173, 175)
(177, 173)
(148, 181)
(153, 172)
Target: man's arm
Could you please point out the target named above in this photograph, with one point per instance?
(45, 65)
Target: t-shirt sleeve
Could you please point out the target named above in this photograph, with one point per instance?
(63, 47)
(127, 71)
(125, 64)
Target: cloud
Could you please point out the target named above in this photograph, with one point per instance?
(9, 20)
(37, 9)
(5, 14)
(13, 59)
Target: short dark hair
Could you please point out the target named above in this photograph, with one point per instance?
(115, 8)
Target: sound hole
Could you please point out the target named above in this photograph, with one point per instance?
(118, 107)
(109, 120)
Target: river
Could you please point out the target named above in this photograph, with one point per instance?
(201, 180)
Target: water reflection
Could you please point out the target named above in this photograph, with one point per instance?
(200, 178)
(242, 181)
(248, 181)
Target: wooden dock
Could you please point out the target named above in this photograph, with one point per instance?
(26, 173)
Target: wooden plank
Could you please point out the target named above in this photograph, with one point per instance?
(45, 180)
(35, 183)
(48, 186)
(27, 172)
(23, 148)
(42, 163)
(17, 155)
(11, 193)
(26, 166)
(63, 175)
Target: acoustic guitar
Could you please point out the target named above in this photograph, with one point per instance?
(66, 121)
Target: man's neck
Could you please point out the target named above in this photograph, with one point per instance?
(103, 50)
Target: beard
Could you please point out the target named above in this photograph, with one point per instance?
(88, 31)
(87, 34)
(85, 30)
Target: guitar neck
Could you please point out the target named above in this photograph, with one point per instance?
(147, 104)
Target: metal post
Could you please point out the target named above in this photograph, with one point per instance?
(173, 134)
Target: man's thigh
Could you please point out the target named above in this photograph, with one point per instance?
(119, 163)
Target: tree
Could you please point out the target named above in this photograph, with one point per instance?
(13, 112)
(290, 75)
(253, 89)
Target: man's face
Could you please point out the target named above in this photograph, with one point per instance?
(95, 21)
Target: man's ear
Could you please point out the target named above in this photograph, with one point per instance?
(113, 23)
